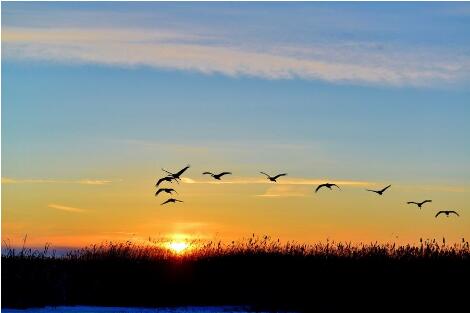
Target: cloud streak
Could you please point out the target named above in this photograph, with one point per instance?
(65, 208)
(183, 51)
(283, 181)
(7, 180)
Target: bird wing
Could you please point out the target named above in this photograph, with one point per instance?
(170, 190)
(167, 201)
(160, 181)
(265, 174)
(182, 171)
(386, 188)
(440, 212)
(412, 202)
(426, 201)
(372, 190)
(336, 186)
(178, 200)
(319, 186)
(279, 175)
(207, 173)
(225, 173)
(158, 191)
(454, 213)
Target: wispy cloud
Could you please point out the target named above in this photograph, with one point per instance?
(286, 191)
(65, 208)
(7, 180)
(282, 181)
(183, 51)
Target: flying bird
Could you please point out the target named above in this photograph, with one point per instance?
(167, 190)
(379, 192)
(171, 200)
(178, 174)
(273, 178)
(327, 185)
(419, 204)
(166, 178)
(447, 213)
(217, 176)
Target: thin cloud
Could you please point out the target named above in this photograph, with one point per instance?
(282, 181)
(65, 208)
(8, 180)
(173, 50)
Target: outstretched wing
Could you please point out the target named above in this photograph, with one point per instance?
(385, 188)
(440, 212)
(412, 202)
(160, 181)
(167, 201)
(279, 175)
(372, 190)
(224, 173)
(207, 173)
(265, 174)
(182, 171)
(319, 186)
(170, 190)
(336, 186)
(425, 201)
(454, 213)
(178, 200)
(158, 191)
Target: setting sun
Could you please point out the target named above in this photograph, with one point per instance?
(178, 246)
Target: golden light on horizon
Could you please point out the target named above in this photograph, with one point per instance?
(178, 247)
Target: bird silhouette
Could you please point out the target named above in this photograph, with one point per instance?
(273, 178)
(419, 204)
(167, 190)
(171, 200)
(447, 213)
(217, 176)
(166, 178)
(327, 185)
(177, 174)
(379, 192)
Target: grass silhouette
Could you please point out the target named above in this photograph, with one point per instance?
(257, 271)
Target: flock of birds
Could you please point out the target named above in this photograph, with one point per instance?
(177, 177)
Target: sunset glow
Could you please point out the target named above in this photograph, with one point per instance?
(178, 247)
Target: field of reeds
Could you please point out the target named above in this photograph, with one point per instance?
(258, 272)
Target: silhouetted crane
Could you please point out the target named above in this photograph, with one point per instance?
(167, 190)
(171, 200)
(217, 176)
(419, 204)
(327, 185)
(273, 178)
(379, 192)
(178, 174)
(166, 178)
(447, 213)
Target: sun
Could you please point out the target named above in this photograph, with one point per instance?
(178, 247)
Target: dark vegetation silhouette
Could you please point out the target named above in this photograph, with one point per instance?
(258, 272)
(273, 178)
(379, 192)
(419, 204)
(217, 176)
(447, 213)
(326, 185)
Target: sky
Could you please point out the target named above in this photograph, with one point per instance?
(98, 97)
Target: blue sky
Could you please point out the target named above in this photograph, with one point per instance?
(51, 97)
(356, 91)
